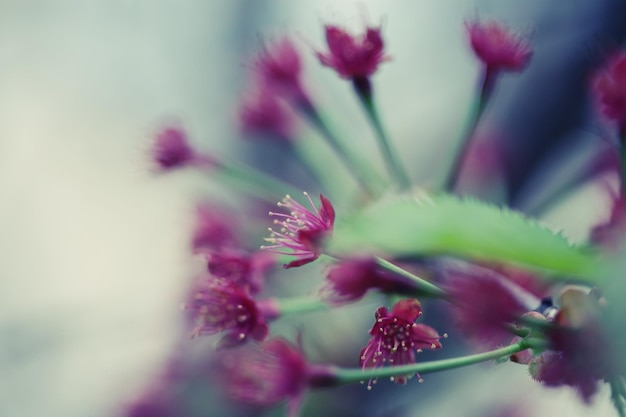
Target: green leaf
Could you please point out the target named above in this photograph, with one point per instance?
(418, 225)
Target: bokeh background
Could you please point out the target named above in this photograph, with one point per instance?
(95, 247)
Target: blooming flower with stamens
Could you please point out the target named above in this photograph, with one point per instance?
(396, 338)
(609, 87)
(302, 231)
(497, 47)
(353, 57)
(218, 305)
(171, 149)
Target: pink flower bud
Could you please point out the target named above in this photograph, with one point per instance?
(497, 47)
(171, 149)
(353, 56)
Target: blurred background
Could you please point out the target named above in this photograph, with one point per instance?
(96, 248)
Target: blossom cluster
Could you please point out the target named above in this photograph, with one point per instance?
(507, 311)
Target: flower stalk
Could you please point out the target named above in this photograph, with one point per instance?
(249, 179)
(347, 376)
(363, 88)
(359, 170)
(421, 284)
(476, 112)
(298, 305)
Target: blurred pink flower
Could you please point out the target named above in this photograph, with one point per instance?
(218, 305)
(266, 374)
(171, 149)
(497, 47)
(353, 56)
(482, 305)
(279, 66)
(348, 281)
(262, 113)
(246, 270)
(581, 354)
(215, 228)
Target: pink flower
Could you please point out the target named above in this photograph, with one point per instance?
(609, 85)
(246, 270)
(214, 229)
(266, 375)
(396, 338)
(171, 149)
(497, 47)
(218, 305)
(348, 281)
(580, 352)
(483, 304)
(303, 231)
(262, 113)
(574, 365)
(353, 56)
(279, 66)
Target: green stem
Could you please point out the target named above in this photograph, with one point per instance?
(358, 169)
(250, 180)
(421, 284)
(299, 305)
(537, 324)
(364, 92)
(475, 114)
(346, 376)
(318, 169)
(517, 331)
(274, 308)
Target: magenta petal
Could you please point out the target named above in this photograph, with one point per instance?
(327, 210)
(303, 230)
(260, 332)
(338, 40)
(409, 309)
(300, 262)
(351, 56)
